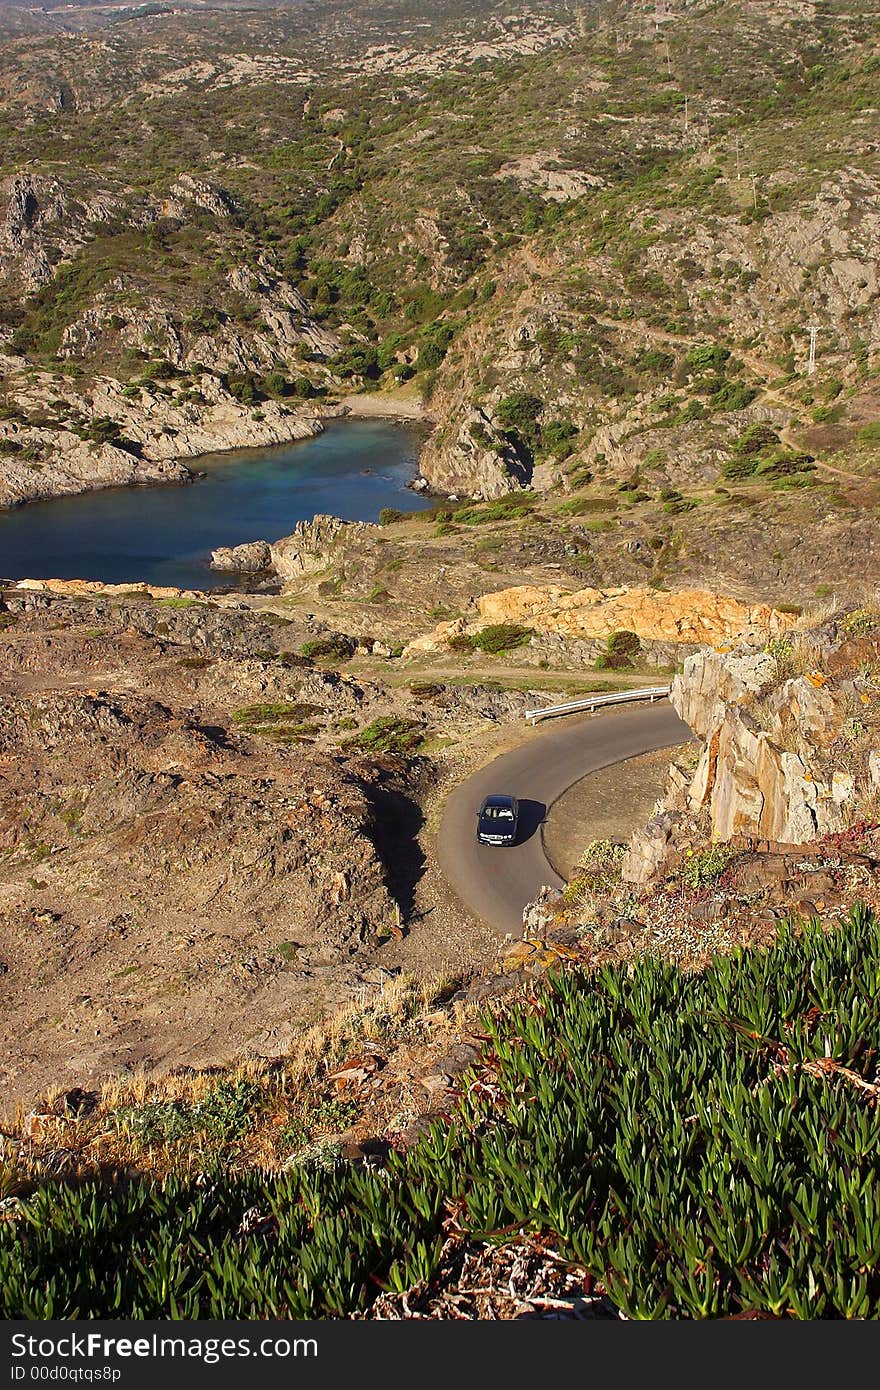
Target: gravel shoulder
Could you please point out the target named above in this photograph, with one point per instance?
(605, 805)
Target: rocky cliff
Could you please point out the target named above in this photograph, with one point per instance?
(55, 439)
(313, 545)
(791, 742)
(469, 456)
(787, 752)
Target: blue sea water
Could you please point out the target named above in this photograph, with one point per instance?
(165, 535)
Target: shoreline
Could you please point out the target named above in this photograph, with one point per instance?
(186, 469)
(366, 405)
(183, 469)
(62, 570)
(79, 471)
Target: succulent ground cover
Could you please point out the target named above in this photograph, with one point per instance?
(694, 1145)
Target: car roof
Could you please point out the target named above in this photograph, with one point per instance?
(499, 800)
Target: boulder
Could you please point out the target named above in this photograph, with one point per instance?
(649, 849)
(249, 558)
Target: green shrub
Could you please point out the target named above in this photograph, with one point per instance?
(280, 723)
(509, 508)
(556, 437)
(755, 440)
(652, 360)
(276, 384)
(621, 649)
(245, 389)
(430, 356)
(520, 412)
(827, 414)
(709, 357)
(336, 646)
(480, 435)
(738, 469)
(225, 1114)
(733, 395)
(501, 637)
(859, 621)
(161, 370)
(783, 463)
(706, 866)
(389, 734)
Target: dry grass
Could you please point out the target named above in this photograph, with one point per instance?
(818, 613)
(832, 606)
(250, 1114)
(867, 805)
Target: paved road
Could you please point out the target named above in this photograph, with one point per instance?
(497, 883)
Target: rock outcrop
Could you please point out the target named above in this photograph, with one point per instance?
(783, 760)
(689, 616)
(187, 191)
(250, 558)
(467, 459)
(649, 848)
(790, 744)
(313, 545)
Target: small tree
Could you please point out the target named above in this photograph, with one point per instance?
(621, 648)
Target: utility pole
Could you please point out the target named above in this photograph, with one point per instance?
(686, 101)
(738, 171)
(814, 333)
(754, 193)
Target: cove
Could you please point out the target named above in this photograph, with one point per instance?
(165, 535)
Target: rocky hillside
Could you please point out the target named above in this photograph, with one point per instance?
(775, 809)
(208, 838)
(590, 239)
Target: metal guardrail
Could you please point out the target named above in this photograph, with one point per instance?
(592, 702)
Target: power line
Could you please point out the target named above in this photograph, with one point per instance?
(814, 333)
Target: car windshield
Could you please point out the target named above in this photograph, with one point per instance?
(498, 812)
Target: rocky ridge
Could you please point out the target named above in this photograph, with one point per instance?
(686, 616)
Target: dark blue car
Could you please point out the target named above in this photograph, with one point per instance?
(497, 821)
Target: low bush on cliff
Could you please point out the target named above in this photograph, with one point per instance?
(509, 508)
(703, 1145)
(495, 639)
(280, 723)
(336, 646)
(621, 649)
(501, 637)
(389, 735)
